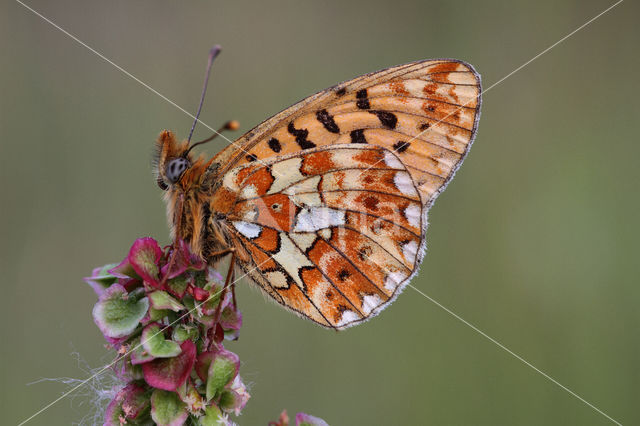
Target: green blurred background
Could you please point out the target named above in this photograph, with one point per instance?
(535, 242)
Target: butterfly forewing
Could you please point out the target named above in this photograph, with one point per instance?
(427, 112)
(325, 203)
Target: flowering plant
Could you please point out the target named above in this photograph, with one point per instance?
(167, 314)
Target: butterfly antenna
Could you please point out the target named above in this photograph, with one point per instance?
(229, 125)
(215, 50)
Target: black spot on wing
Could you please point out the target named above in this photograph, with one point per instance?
(362, 100)
(301, 136)
(357, 136)
(251, 157)
(274, 144)
(388, 119)
(327, 121)
(401, 146)
(343, 274)
(341, 91)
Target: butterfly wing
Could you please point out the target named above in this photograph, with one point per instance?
(331, 232)
(427, 112)
(332, 193)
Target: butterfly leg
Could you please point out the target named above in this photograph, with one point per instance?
(217, 336)
(233, 291)
(172, 258)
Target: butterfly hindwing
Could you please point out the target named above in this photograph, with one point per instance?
(331, 231)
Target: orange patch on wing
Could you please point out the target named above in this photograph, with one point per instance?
(453, 94)
(442, 112)
(275, 211)
(431, 91)
(392, 217)
(329, 298)
(443, 69)
(223, 200)
(317, 163)
(262, 260)
(379, 181)
(370, 156)
(397, 86)
(243, 173)
(268, 240)
(341, 273)
(296, 300)
(358, 248)
(261, 179)
(311, 277)
(382, 204)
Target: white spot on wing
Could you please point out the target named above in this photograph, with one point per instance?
(404, 183)
(393, 280)
(347, 317)
(370, 302)
(315, 218)
(249, 230)
(392, 161)
(409, 251)
(412, 213)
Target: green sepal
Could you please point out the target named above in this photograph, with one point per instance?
(196, 311)
(139, 354)
(118, 313)
(178, 285)
(167, 409)
(222, 370)
(162, 300)
(156, 345)
(212, 416)
(183, 332)
(158, 314)
(227, 400)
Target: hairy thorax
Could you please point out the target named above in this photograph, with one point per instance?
(197, 213)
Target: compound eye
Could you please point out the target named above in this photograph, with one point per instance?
(175, 168)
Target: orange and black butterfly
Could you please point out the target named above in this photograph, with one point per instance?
(324, 205)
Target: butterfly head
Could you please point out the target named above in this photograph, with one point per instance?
(173, 163)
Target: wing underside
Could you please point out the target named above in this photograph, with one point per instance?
(333, 192)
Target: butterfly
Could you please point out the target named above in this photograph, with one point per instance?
(324, 205)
